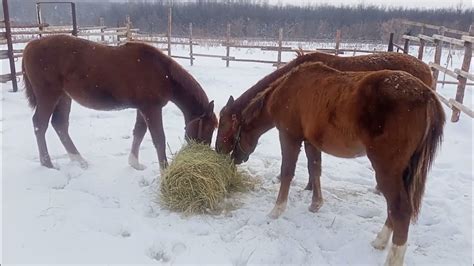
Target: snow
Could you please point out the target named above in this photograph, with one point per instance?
(109, 212)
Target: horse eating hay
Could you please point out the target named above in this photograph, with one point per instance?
(133, 75)
(198, 179)
(390, 116)
(231, 115)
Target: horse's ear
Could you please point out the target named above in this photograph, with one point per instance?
(210, 108)
(230, 101)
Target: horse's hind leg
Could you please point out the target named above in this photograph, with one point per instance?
(400, 215)
(390, 182)
(43, 112)
(314, 170)
(290, 148)
(60, 123)
(138, 134)
(381, 241)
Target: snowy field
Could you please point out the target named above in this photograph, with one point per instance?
(108, 213)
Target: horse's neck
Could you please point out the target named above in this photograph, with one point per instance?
(190, 105)
(261, 124)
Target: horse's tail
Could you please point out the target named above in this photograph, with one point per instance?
(415, 174)
(30, 95)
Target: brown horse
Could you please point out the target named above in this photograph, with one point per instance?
(390, 116)
(134, 75)
(231, 115)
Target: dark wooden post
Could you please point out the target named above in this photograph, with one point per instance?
(128, 24)
(191, 59)
(338, 41)
(280, 45)
(437, 57)
(8, 35)
(406, 46)
(169, 31)
(38, 18)
(75, 30)
(102, 29)
(390, 43)
(466, 63)
(227, 53)
(421, 49)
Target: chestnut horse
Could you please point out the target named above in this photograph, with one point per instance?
(390, 116)
(133, 75)
(231, 115)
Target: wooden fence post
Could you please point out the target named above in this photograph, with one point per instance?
(102, 24)
(390, 42)
(406, 46)
(75, 29)
(280, 45)
(338, 42)
(421, 49)
(227, 54)
(191, 43)
(38, 18)
(8, 35)
(128, 34)
(437, 57)
(169, 31)
(466, 63)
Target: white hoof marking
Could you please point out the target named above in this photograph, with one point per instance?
(277, 210)
(78, 158)
(133, 162)
(396, 255)
(382, 238)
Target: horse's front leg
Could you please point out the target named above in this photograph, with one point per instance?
(154, 120)
(290, 148)
(138, 134)
(314, 170)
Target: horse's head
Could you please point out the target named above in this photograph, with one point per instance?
(201, 128)
(229, 125)
(236, 133)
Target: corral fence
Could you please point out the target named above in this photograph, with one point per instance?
(459, 39)
(17, 33)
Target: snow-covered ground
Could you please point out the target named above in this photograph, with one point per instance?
(109, 212)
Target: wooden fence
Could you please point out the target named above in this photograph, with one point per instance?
(464, 40)
(23, 33)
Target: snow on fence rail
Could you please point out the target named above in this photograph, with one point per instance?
(13, 33)
(464, 40)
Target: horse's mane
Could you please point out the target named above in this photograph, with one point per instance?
(241, 102)
(188, 83)
(256, 105)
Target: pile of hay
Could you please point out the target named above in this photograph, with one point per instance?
(198, 180)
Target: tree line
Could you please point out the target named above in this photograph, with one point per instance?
(249, 18)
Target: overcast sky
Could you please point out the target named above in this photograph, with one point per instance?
(397, 3)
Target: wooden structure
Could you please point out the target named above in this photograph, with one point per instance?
(17, 33)
(464, 40)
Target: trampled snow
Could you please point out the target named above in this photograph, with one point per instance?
(109, 213)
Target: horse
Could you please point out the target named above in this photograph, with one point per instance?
(59, 68)
(390, 116)
(231, 114)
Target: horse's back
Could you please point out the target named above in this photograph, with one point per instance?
(339, 111)
(98, 76)
(385, 61)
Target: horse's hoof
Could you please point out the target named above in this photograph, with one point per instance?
(315, 206)
(277, 211)
(78, 158)
(377, 244)
(133, 162)
(381, 241)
